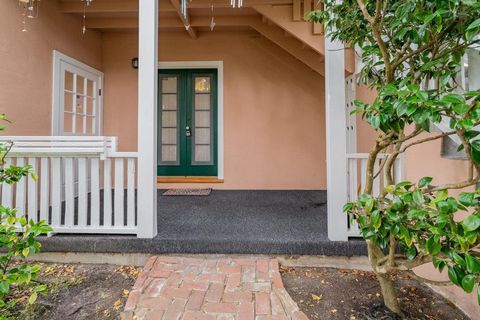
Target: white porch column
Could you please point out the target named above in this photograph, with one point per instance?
(336, 139)
(147, 118)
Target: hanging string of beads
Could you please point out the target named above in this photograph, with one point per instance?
(86, 3)
(29, 11)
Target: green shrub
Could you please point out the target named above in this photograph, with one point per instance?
(18, 240)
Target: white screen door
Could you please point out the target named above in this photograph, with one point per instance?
(77, 103)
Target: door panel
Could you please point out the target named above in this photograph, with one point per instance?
(187, 123)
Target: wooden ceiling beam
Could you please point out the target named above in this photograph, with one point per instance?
(168, 23)
(191, 31)
(131, 6)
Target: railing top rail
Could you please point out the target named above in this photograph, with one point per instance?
(57, 138)
(35, 146)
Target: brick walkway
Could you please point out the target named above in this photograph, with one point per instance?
(172, 288)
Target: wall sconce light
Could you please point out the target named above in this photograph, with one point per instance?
(135, 63)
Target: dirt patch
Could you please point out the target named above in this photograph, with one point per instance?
(327, 293)
(81, 291)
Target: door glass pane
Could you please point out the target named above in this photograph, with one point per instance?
(169, 135)
(67, 122)
(202, 101)
(90, 110)
(68, 81)
(169, 101)
(203, 135)
(68, 102)
(169, 85)
(90, 86)
(202, 154)
(202, 118)
(169, 153)
(202, 84)
(169, 120)
(80, 84)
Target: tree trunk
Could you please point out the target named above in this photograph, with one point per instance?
(387, 286)
(389, 294)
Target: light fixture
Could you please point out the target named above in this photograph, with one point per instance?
(135, 63)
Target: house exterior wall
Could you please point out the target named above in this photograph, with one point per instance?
(26, 68)
(274, 117)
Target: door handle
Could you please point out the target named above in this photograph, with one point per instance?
(188, 132)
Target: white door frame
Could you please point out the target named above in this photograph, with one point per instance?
(57, 96)
(218, 65)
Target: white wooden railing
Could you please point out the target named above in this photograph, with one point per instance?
(357, 168)
(84, 185)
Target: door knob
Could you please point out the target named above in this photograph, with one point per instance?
(188, 133)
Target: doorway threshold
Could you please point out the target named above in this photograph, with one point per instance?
(188, 179)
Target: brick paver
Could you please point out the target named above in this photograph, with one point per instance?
(183, 288)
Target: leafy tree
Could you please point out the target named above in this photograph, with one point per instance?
(17, 244)
(412, 52)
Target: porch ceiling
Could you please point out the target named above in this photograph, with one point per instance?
(301, 41)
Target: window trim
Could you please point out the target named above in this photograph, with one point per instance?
(58, 58)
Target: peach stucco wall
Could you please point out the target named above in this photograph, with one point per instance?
(26, 62)
(274, 120)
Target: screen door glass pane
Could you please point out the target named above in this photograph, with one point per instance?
(202, 130)
(169, 131)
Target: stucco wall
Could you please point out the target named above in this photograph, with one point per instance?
(26, 62)
(274, 119)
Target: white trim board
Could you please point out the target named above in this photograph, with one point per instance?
(220, 119)
(58, 58)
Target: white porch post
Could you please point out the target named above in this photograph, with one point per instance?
(147, 118)
(336, 139)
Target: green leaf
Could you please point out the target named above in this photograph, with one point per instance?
(418, 196)
(425, 181)
(468, 282)
(25, 252)
(433, 246)
(474, 24)
(473, 265)
(471, 223)
(411, 253)
(453, 276)
(453, 98)
(466, 198)
(33, 298)
(369, 205)
(4, 287)
(478, 294)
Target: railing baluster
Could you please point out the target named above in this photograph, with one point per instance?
(44, 189)
(69, 192)
(20, 191)
(82, 192)
(95, 192)
(56, 191)
(32, 192)
(7, 194)
(131, 192)
(107, 192)
(119, 190)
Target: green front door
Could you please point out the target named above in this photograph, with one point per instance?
(187, 123)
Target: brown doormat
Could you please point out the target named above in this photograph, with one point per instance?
(187, 192)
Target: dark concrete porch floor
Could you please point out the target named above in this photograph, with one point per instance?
(250, 222)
